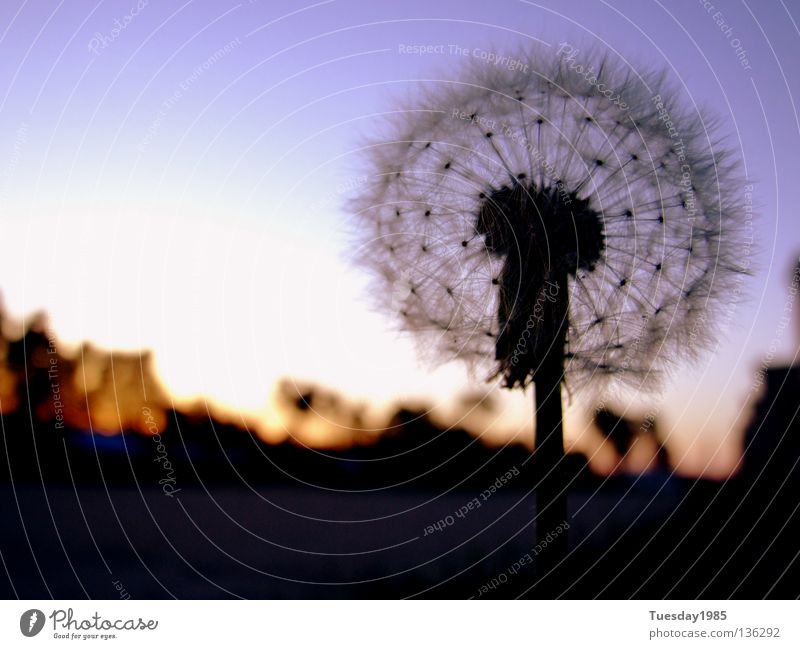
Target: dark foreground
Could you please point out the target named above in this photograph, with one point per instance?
(648, 538)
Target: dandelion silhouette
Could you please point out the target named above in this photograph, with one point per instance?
(553, 225)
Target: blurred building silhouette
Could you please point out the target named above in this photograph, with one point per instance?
(772, 441)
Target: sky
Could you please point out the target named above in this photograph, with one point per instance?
(176, 177)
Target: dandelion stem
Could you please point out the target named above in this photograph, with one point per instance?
(551, 490)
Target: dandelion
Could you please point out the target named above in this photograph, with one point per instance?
(554, 225)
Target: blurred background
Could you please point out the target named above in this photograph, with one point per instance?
(197, 400)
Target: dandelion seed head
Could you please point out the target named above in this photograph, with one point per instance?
(487, 189)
